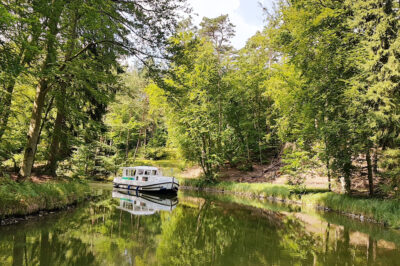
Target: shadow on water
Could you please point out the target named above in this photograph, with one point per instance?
(121, 228)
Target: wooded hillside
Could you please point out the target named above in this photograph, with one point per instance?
(318, 87)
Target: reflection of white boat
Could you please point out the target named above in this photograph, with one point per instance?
(145, 178)
(143, 204)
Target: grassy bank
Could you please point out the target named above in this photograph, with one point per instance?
(27, 197)
(383, 211)
(253, 189)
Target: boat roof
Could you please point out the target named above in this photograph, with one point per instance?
(141, 167)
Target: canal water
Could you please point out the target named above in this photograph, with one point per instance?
(118, 228)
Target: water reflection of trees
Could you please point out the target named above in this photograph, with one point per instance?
(198, 232)
(43, 248)
(224, 235)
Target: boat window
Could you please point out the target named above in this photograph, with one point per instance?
(132, 172)
(154, 172)
(145, 178)
(126, 172)
(147, 172)
(137, 178)
(140, 172)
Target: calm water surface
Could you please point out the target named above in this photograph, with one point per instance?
(195, 229)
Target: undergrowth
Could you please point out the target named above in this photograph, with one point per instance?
(256, 189)
(380, 210)
(384, 211)
(28, 197)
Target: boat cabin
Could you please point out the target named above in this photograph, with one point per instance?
(140, 173)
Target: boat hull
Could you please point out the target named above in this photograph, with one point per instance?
(154, 187)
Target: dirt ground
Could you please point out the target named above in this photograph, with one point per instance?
(36, 178)
(315, 178)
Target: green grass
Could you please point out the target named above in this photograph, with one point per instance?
(27, 197)
(384, 211)
(252, 202)
(254, 189)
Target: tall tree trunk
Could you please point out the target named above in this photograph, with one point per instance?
(34, 129)
(347, 177)
(329, 175)
(54, 152)
(370, 177)
(375, 168)
(137, 145)
(41, 90)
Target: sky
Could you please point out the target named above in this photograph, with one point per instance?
(246, 15)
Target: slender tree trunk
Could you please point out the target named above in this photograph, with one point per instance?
(127, 144)
(247, 148)
(375, 167)
(137, 146)
(329, 175)
(6, 107)
(370, 177)
(54, 152)
(145, 138)
(347, 177)
(34, 129)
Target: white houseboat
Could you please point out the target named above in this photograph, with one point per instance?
(145, 178)
(142, 203)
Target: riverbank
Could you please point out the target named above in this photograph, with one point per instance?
(20, 199)
(375, 210)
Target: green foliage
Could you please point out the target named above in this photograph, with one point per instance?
(316, 42)
(384, 211)
(323, 75)
(216, 108)
(157, 153)
(66, 55)
(27, 197)
(194, 117)
(253, 189)
(390, 164)
(298, 161)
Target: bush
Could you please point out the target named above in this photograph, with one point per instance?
(157, 153)
(391, 170)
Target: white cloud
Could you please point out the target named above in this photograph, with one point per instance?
(214, 8)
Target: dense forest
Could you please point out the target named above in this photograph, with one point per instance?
(319, 86)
